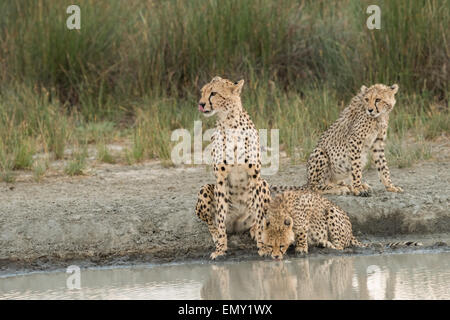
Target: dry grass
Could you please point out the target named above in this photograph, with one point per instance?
(135, 67)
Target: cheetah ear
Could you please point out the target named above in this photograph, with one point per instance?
(237, 88)
(216, 78)
(363, 89)
(288, 222)
(394, 88)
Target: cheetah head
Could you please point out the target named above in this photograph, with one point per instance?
(378, 99)
(220, 96)
(277, 233)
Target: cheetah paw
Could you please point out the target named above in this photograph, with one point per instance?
(366, 187)
(264, 251)
(217, 254)
(394, 189)
(361, 193)
(364, 194)
(343, 190)
(301, 251)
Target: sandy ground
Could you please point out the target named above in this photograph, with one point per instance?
(120, 214)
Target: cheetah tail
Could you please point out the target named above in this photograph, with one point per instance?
(399, 244)
(280, 189)
(355, 243)
(403, 244)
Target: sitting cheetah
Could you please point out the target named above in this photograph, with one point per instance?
(236, 202)
(342, 150)
(307, 218)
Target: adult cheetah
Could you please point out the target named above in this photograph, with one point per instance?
(341, 153)
(236, 202)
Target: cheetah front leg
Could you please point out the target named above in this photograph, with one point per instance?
(301, 243)
(355, 158)
(256, 203)
(381, 164)
(221, 196)
(263, 250)
(266, 198)
(206, 207)
(301, 236)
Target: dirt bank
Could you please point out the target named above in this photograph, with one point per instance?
(145, 212)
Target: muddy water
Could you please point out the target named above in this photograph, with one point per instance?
(395, 276)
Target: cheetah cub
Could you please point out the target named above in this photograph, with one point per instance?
(341, 153)
(235, 203)
(307, 219)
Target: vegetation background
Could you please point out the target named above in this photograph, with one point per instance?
(132, 74)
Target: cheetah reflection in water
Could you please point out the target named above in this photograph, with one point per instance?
(277, 280)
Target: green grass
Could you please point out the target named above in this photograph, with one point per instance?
(39, 169)
(93, 132)
(128, 50)
(77, 165)
(7, 176)
(403, 155)
(134, 69)
(104, 155)
(6, 168)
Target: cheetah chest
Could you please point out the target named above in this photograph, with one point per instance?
(239, 218)
(342, 164)
(368, 143)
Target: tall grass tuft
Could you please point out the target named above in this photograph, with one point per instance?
(40, 166)
(133, 48)
(137, 66)
(77, 165)
(103, 154)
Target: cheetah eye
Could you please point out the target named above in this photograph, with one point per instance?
(213, 94)
(367, 99)
(377, 100)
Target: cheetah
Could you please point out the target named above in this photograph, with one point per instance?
(235, 203)
(306, 218)
(342, 150)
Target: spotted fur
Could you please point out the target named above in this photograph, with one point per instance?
(306, 219)
(236, 202)
(342, 151)
(277, 189)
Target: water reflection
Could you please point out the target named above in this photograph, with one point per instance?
(298, 279)
(405, 276)
(401, 276)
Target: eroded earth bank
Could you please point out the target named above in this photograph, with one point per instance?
(145, 213)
